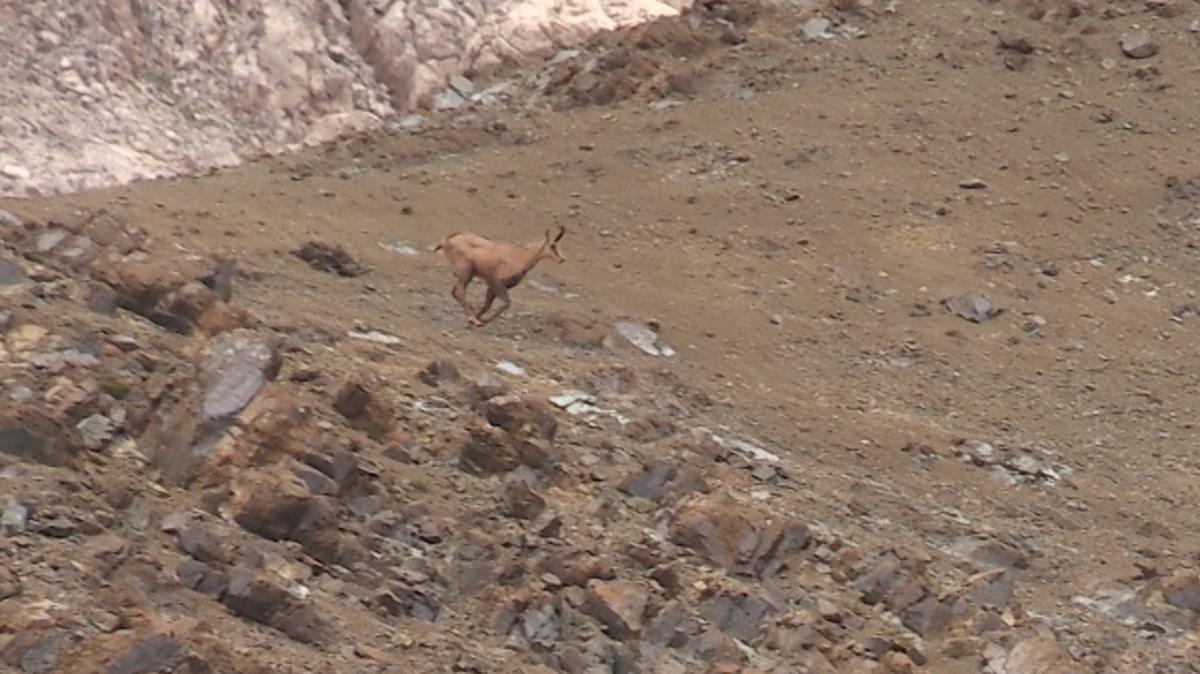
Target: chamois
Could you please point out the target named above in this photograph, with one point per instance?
(500, 265)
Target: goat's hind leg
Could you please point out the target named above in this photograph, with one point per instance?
(500, 293)
(477, 319)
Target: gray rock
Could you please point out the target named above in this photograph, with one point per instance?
(739, 616)
(438, 372)
(412, 122)
(95, 431)
(404, 600)
(42, 657)
(14, 517)
(9, 220)
(520, 499)
(262, 597)
(817, 28)
(448, 100)
(1138, 44)
(929, 617)
(972, 307)
(202, 578)
(22, 444)
(15, 172)
(995, 591)
(463, 86)
(50, 239)
(77, 250)
(1182, 590)
(157, 653)
(236, 365)
(644, 338)
(101, 298)
(670, 626)
(979, 453)
(542, 625)
(660, 482)
(11, 273)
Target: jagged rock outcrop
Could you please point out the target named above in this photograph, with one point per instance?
(109, 92)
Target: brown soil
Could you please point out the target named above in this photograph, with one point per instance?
(795, 226)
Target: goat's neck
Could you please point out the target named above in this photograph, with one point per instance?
(531, 255)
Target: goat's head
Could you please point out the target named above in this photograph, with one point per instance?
(550, 248)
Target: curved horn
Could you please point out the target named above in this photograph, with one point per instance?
(561, 230)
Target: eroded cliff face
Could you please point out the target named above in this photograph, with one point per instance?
(111, 91)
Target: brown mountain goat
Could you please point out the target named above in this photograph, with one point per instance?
(500, 265)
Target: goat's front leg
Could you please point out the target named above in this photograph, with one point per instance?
(502, 295)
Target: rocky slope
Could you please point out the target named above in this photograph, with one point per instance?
(873, 353)
(104, 93)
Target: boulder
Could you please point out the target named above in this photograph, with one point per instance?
(406, 600)
(264, 598)
(663, 482)
(202, 578)
(490, 450)
(737, 614)
(929, 617)
(275, 504)
(618, 605)
(890, 582)
(233, 367)
(1040, 654)
(516, 415)
(578, 567)
(740, 539)
(439, 372)
(168, 290)
(1182, 589)
(358, 400)
(154, 653)
(519, 496)
(329, 258)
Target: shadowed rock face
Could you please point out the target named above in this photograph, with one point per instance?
(191, 84)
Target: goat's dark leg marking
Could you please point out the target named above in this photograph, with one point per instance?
(487, 304)
(502, 295)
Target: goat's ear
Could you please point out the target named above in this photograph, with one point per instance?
(561, 230)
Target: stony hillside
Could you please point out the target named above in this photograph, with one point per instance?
(874, 351)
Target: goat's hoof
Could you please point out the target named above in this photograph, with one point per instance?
(475, 323)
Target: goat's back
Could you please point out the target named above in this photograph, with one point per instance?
(468, 240)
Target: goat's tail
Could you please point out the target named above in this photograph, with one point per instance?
(444, 242)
